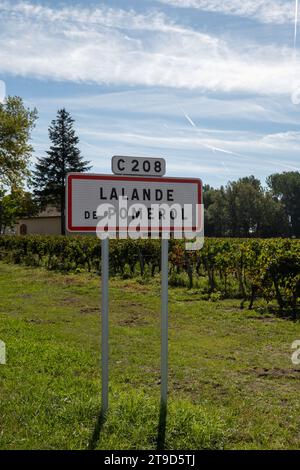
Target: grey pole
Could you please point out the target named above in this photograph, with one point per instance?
(164, 321)
(104, 318)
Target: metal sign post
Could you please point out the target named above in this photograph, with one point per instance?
(164, 322)
(104, 313)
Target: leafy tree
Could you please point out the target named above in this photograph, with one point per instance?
(273, 220)
(62, 158)
(208, 198)
(286, 186)
(16, 124)
(13, 206)
(243, 209)
(216, 213)
(244, 205)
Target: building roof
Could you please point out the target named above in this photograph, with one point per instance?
(49, 212)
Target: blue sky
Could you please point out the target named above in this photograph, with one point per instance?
(211, 85)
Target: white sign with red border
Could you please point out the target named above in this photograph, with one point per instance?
(85, 192)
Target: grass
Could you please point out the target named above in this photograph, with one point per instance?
(232, 384)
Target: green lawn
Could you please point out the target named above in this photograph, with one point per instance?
(232, 383)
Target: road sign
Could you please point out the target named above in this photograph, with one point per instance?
(138, 166)
(87, 192)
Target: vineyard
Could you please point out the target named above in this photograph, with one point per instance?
(249, 269)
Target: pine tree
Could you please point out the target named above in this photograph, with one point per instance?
(63, 157)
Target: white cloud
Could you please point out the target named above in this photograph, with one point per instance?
(118, 46)
(264, 11)
(173, 104)
(289, 140)
(114, 46)
(232, 142)
(117, 123)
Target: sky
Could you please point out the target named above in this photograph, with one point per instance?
(213, 86)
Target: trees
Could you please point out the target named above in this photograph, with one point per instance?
(63, 157)
(216, 212)
(13, 206)
(235, 210)
(244, 206)
(274, 219)
(16, 124)
(245, 209)
(286, 187)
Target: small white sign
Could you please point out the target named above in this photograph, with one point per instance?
(136, 166)
(126, 198)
